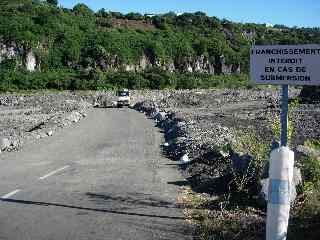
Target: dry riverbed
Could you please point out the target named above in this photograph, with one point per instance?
(222, 141)
(215, 135)
(31, 117)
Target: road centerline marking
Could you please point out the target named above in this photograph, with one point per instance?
(54, 172)
(10, 194)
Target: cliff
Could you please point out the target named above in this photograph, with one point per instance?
(26, 59)
(23, 58)
(79, 49)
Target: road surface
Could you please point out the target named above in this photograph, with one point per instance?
(103, 178)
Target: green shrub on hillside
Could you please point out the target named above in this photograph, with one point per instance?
(65, 79)
(79, 38)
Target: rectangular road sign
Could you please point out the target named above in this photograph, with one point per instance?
(286, 64)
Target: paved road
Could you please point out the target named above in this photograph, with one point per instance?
(103, 178)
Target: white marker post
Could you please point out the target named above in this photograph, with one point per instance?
(283, 65)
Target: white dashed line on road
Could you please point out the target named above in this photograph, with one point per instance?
(54, 172)
(10, 194)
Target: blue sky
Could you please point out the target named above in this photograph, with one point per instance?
(288, 12)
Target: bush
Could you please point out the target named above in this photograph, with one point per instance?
(245, 183)
(310, 166)
(306, 214)
(53, 2)
(20, 80)
(65, 79)
(64, 33)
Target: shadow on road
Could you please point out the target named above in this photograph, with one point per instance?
(180, 183)
(134, 199)
(47, 204)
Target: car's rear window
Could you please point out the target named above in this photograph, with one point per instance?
(123, 94)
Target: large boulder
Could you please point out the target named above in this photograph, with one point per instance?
(74, 117)
(31, 61)
(4, 144)
(160, 116)
(240, 161)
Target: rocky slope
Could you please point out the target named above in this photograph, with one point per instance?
(204, 128)
(30, 117)
(199, 125)
(215, 136)
(26, 59)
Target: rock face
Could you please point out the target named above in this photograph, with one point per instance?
(249, 34)
(9, 51)
(112, 62)
(23, 57)
(198, 64)
(145, 63)
(129, 68)
(205, 126)
(31, 62)
(227, 69)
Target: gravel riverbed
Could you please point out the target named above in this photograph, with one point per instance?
(195, 122)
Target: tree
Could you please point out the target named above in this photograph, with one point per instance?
(82, 9)
(53, 2)
(134, 16)
(14, 2)
(160, 22)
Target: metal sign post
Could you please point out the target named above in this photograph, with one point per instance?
(284, 115)
(283, 65)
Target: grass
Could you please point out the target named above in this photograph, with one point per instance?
(313, 144)
(249, 143)
(215, 222)
(305, 222)
(222, 217)
(276, 125)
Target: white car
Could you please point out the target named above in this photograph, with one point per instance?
(123, 98)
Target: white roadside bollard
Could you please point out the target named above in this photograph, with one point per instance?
(280, 188)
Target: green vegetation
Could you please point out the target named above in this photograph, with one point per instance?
(276, 125)
(238, 215)
(65, 79)
(244, 183)
(214, 221)
(306, 214)
(311, 165)
(70, 44)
